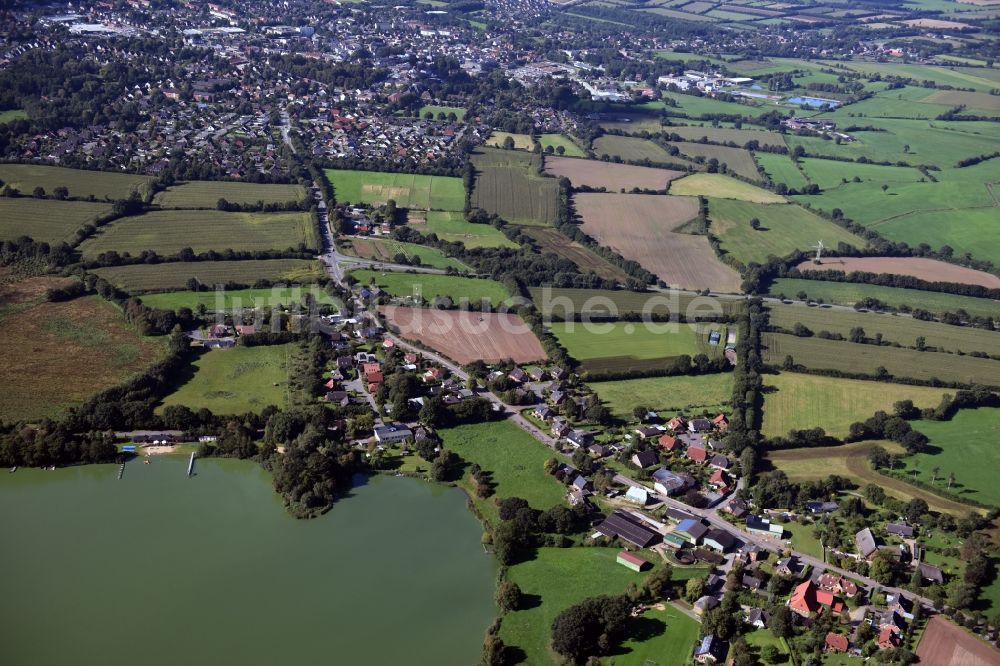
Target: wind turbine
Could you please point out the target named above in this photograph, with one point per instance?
(819, 247)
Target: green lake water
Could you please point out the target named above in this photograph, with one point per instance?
(158, 568)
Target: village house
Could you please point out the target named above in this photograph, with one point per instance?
(838, 585)
(667, 442)
(645, 459)
(646, 433)
(711, 650)
(836, 643)
(865, 541)
(821, 507)
(751, 583)
(899, 529)
(720, 462)
(763, 527)
(807, 599)
(888, 639)
(600, 450)
(704, 604)
(677, 424)
(691, 530)
(697, 454)
(518, 375)
(758, 618)
(721, 423)
(392, 433)
(789, 566)
(719, 540)
(930, 573)
(666, 482)
(699, 425)
(718, 481)
(738, 508)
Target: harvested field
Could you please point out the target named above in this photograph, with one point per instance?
(922, 268)
(508, 184)
(167, 276)
(521, 141)
(83, 338)
(946, 644)
(168, 232)
(566, 303)
(851, 461)
(47, 220)
(551, 240)
(613, 177)
(467, 336)
(849, 357)
(80, 183)
(640, 227)
(723, 187)
(206, 194)
(429, 286)
(386, 249)
(936, 23)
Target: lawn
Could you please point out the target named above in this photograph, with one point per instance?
(166, 276)
(667, 395)
(514, 459)
(560, 578)
(830, 174)
(10, 115)
(429, 286)
(781, 169)
(508, 184)
(453, 227)
(47, 220)
(794, 401)
(761, 637)
(408, 190)
(846, 293)
(68, 351)
(168, 232)
(80, 183)
(386, 249)
(232, 299)
(446, 110)
(898, 329)
(669, 638)
(723, 187)
(784, 228)
(236, 381)
(970, 436)
(570, 148)
(819, 354)
(521, 141)
(206, 194)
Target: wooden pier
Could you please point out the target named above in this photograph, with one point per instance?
(191, 465)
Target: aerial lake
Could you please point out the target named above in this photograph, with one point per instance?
(158, 568)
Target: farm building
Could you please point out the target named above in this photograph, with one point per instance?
(865, 541)
(692, 530)
(638, 495)
(622, 525)
(762, 526)
(392, 433)
(629, 560)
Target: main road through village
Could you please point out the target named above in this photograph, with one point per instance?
(336, 264)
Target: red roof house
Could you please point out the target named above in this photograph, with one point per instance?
(668, 443)
(803, 599)
(697, 454)
(887, 638)
(721, 422)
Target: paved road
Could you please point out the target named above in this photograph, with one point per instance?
(284, 127)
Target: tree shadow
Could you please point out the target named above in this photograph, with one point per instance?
(641, 629)
(514, 655)
(529, 601)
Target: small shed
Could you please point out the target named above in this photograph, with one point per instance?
(631, 561)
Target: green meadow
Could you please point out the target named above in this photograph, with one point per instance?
(667, 395)
(230, 299)
(453, 227)
(430, 285)
(407, 190)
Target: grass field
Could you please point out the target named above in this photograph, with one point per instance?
(695, 107)
(738, 160)
(80, 183)
(970, 436)
(552, 240)
(667, 637)
(429, 286)
(894, 328)
(514, 459)
(446, 110)
(631, 149)
(206, 194)
(452, 226)
(614, 177)
(386, 249)
(722, 187)
(10, 115)
(784, 228)
(237, 380)
(47, 220)
(781, 169)
(667, 395)
(168, 232)
(847, 293)
(830, 174)
(851, 461)
(600, 347)
(561, 577)
(565, 303)
(795, 402)
(819, 354)
(84, 338)
(232, 299)
(408, 190)
(570, 148)
(508, 184)
(147, 277)
(521, 141)
(640, 227)
(726, 135)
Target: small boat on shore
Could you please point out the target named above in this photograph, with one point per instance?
(13, 469)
